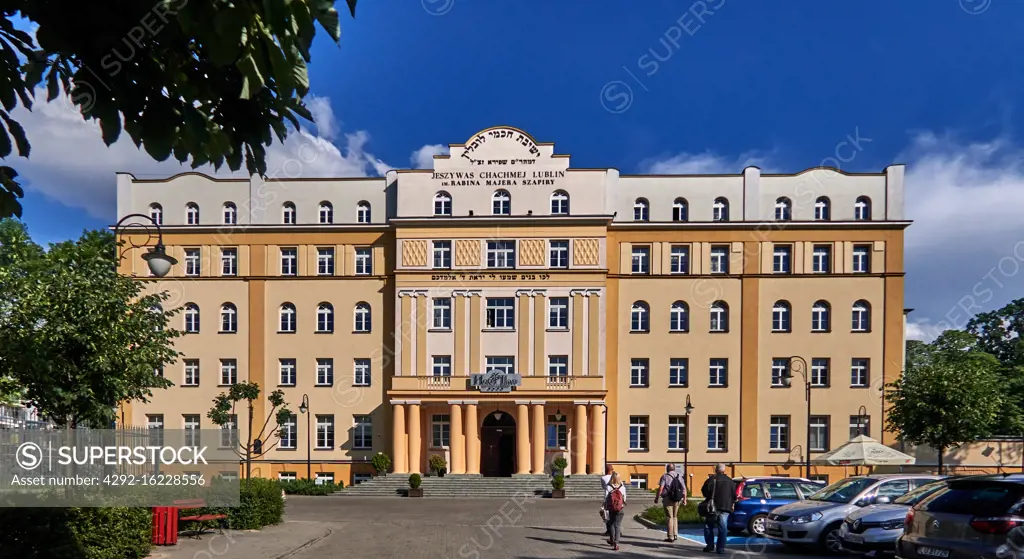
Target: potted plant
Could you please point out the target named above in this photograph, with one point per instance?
(558, 487)
(414, 486)
(558, 466)
(438, 464)
(381, 462)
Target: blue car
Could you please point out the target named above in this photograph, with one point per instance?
(757, 496)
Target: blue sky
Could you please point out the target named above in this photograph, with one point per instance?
(929, 83)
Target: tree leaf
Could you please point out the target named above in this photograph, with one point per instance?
(5, 143)
(252, 80)
(24, 148)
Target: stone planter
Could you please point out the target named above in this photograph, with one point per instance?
(558, 493)
(418, 492)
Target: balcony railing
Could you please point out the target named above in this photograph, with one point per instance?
(530, 383)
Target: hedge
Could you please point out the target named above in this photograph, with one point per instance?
(261, 504)
(687, 514)
(75, 533)
(309, 487)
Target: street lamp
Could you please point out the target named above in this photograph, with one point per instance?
(686, 448)
(787, 381)
(303, 408)
(157, 258)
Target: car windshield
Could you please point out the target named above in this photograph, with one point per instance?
(843, 491)
(921, 492)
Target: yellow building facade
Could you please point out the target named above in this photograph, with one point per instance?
(504, 309)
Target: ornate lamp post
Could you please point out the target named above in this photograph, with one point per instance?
(157, 258)
(787, 380)
(303, 408)
(686, 448)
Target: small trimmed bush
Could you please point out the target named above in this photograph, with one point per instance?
(381, 462)
(76, 533)
(558, 465)
(309, 487)
(558, 482)
(438, 463)
(260, 504)
(415, 481)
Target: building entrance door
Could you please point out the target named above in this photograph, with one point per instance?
(498, 445)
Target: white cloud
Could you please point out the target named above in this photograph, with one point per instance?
(423, 158)
(924, 330)
(706, 163)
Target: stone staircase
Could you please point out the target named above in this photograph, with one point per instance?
(476, 487)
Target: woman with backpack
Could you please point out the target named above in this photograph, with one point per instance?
(615, 504)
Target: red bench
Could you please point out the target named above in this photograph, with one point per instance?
(187, 504)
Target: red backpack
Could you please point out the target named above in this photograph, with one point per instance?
(616, 501)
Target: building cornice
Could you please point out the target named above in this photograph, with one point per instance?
(758, 225)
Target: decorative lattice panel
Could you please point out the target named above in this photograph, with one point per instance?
(531, 252)
(467, 253)
(414, 253)
(586, 252)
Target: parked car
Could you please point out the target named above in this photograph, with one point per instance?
(972, 517)
(817, 520)
(757, 496)
(874, 529)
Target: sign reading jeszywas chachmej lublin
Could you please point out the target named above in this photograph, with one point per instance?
(500, 157)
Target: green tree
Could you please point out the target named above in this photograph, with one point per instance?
(223, 413)
(1001, 333)
(950, 396)
(76, 337)
(206, 82)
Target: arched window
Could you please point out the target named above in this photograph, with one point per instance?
(680, 210)
(363, 212)
(501, 203)
(720, 210)
(640, 317)
(679, 317)
(782, 317)
(641, 210)
(822, 209)
(287, 316)
(230, 213)
(783, 209)
(325, 317)
(861, 316)
(191, 214)
(288, 213)
(821, 317)
(559, 203)
(442, 203)
(228, 318)
(719, 316)
(362, 317)
(156, 212)
(862, 209)
(326, 212)
(191, 318)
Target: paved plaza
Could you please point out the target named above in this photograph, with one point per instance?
(329, 527)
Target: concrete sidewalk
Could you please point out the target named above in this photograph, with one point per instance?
(273, 542)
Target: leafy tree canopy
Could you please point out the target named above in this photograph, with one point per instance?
(209, 81)
(1001, 333)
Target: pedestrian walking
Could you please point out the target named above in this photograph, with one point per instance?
(672, 492)
(607, 477)
(719, 493)
(615, 504)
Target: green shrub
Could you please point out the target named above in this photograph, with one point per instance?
(381, 462)
(76, 533)
(687, 514)
(438, 463)
(309, 487)
(559, 464)
(558, 482)
(260, 504)
(414, 481)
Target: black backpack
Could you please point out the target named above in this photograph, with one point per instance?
(675, 489)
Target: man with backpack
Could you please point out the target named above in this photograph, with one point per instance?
(672, 492)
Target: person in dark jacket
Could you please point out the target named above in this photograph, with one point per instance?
(721, 490)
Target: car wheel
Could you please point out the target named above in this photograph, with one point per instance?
(756, 524)
(829, 540)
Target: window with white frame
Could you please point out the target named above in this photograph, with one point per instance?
(558, 313)
(191, 318)
(719, 316)
(442, 255)
(192, 261)
(229, 432)
(640, 317)
(782, 259)
(155, 424)
(324, 371)
(641, 259)
(230, 214)
(442, 203)
(558, 366)
(778, 433)
(289, 261)
(501, 312)
(362, 432)
(287, 316)
(720, 210)
(718, 372)
(442, 307)
(364, 261)
(861, 314)
(679, 371)
(717, 433)
(361, 371)
(326, 213)
(819, 371)
(228, 372)
(719, 259)
(559, 254)
(641, 210)
(783, 209)
(782, 317)
(440, 430)
(325, 317)
(861, 259)
(639, 372)
(441, 365)
(638, 432)
(780, 367)
(156, 213)
(679, 259)
(821, 259)
(363, 317)
(821, 317)
(191, 423)
(679, 317)
(360, 478)
(191, 214)
(557, 432)
(325, 431)
(229, 261)
(501, 254)
(859, 371)
(559, 203)
(680, 210)
(286, 372)
(862, 209)
(325, 261)
(288, 433)
(822, 209)
(228, 318)
(191, 372)
(819, 433)
(638, 481)
(501, 203)
(678, 435)
(504, 363)
(288, 213)
(363, 212)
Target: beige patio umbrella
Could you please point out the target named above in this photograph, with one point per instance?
(865, 451)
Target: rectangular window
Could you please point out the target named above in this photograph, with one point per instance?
(359, 478)
(364, 261)
(678, 371)
(361, 370)
(778, 433)
(229, 261)
(822, 259)
(717, 431)
(859, 372)
(441, 366)
(501, 254)
(860, 425)
(638, 481)
(440, 429)
(780, 366)
(229, 432)
(861, 259)
(718, 372)
(289, 261)
(559, 257)
(443, 313)
(228, 372)
(557, 432)
(442, 255)
(286, 476)
(639, 372)
(286, 368)
(719, 259)
(289, 434)
(782, 259)
(155, 423)
(558, 313)
(819, 371)
(191, 372)
(324, 478)
(558, 365)
(362, 432)
(325, 432)
(192, 261)
(638, 432)
(501, 312)
(679, 262)
(678, 436)
(504, 363)
(325, 261)
(819, 433)
(324, 371)
(191, 423)
(641, 260)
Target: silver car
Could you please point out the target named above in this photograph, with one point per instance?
(817, 520)
(873, 530)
